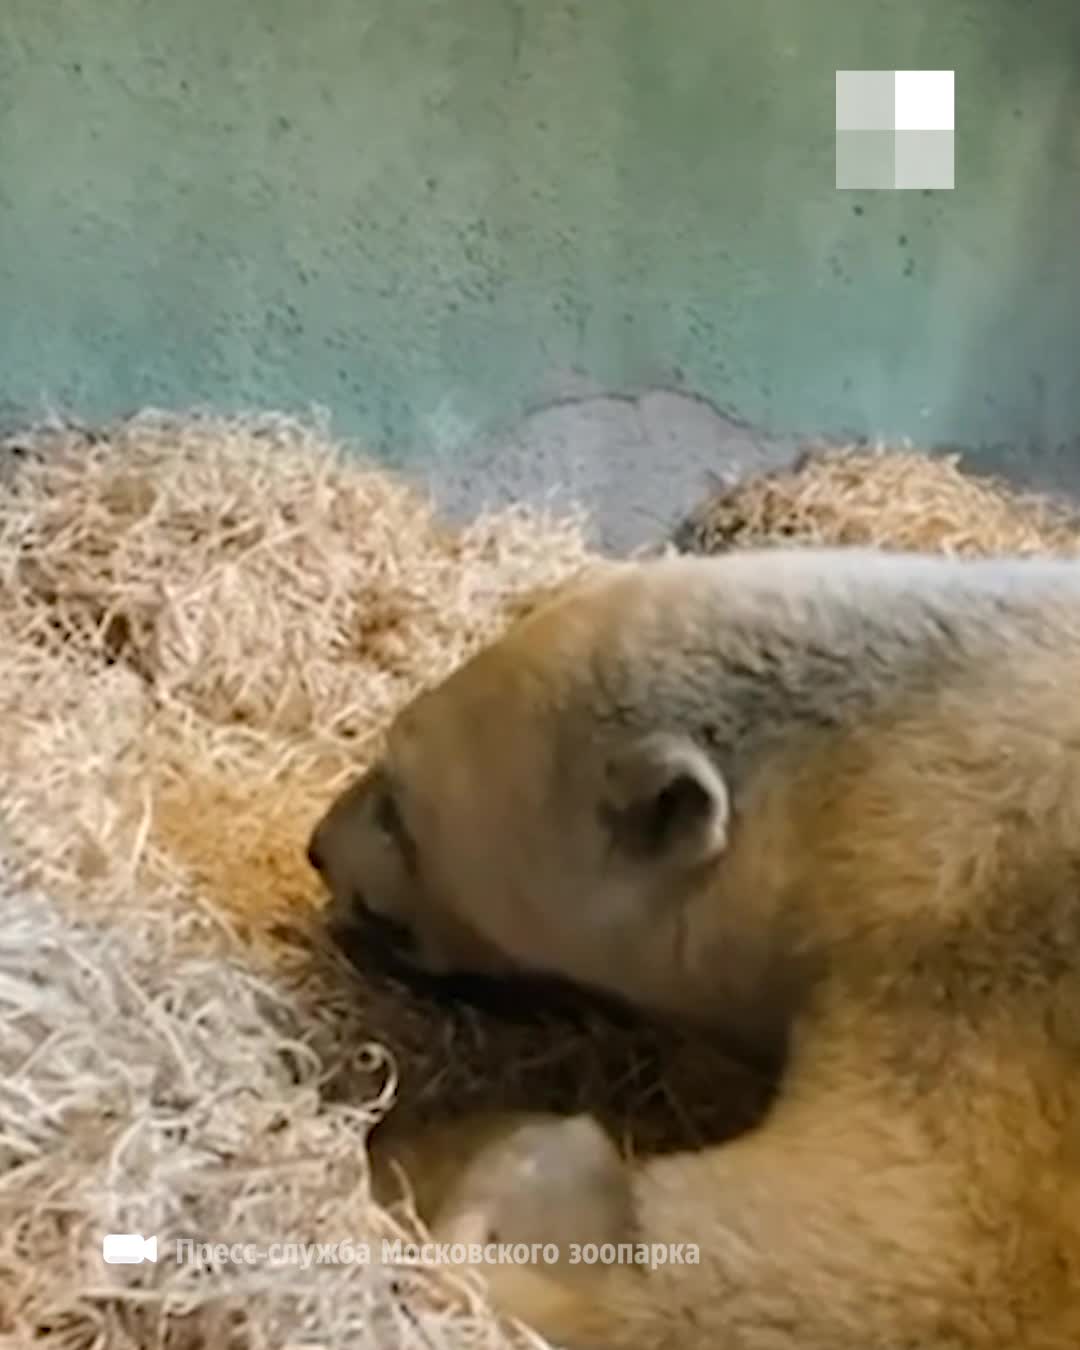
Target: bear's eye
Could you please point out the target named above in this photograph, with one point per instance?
(390, 822)
(388, 817)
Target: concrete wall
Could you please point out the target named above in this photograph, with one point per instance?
(435, 217)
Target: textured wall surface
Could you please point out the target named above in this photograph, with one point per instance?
(433, 216)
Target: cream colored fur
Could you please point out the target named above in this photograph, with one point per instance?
(829, 804)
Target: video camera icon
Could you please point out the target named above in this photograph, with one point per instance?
(128, 1249)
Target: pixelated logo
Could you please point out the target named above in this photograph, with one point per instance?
(128, 1249)
(894, 129)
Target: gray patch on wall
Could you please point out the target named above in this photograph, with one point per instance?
(637, 462)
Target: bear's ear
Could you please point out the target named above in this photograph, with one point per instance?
(665, 800)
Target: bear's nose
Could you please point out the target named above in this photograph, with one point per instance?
(315, 854)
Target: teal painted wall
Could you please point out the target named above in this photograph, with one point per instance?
(427, 215)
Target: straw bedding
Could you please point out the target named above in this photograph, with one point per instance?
(896, 499)
(204, 626)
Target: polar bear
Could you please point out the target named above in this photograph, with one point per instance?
(826, 802)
